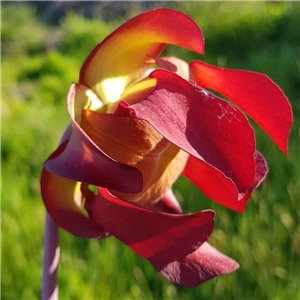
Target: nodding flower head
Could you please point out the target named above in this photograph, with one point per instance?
(137, 122)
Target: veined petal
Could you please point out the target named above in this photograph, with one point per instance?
(256, 94)
(159, 237)
(201, 124)
(62, 198)
(80, 159)
(120, 58)
(134, 142)
(203, 264)
(219, 188)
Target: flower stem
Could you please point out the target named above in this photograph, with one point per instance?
(51, 260)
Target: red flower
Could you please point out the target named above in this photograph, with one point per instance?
(135, 130)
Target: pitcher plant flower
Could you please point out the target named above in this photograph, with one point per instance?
(139, 121)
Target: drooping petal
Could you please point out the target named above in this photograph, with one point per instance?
(159, 237)
(80, 159)
(201, 124)
(120, 58)
(212, 183)
(62, 198)
(256, 94)
(134, 142)
(203, 264)
(219, 188)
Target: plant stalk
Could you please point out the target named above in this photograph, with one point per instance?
(51, 260)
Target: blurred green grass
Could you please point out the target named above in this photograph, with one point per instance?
(40, 60)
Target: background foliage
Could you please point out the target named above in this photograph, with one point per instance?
(43, 47)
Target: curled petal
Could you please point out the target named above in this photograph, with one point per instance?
(261, 171)
(81, 97)
(175, 65)
(80, 159)
(136, 92)
(67, 134)
(219, 188)
(159, 237)
(120, 58)
(201, 124)
(256, 94)
(134, 142)
(62, 198)
(201, 265)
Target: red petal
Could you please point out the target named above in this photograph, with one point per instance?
(63, 202)
(135, 142)
(168, 203)
(219, 188)
(261, 171)
(203, 264)
(212, 183)
(80, 159)
(159, 237)
(254, 93)
(121, 56)
(175, 65)
(201, 124)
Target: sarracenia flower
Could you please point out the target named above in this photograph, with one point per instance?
(138, 121)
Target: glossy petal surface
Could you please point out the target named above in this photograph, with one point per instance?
(256, 94)
(80, 159)
(201, 265)
(62, 198)
(219, 188)
(201, 124)
(159, 237)
(120, 58)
